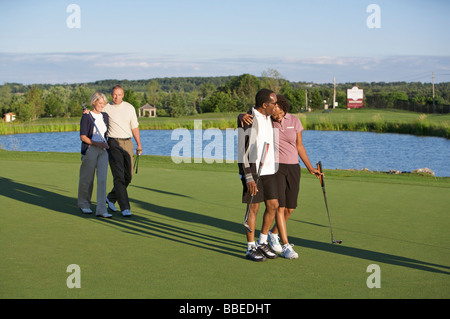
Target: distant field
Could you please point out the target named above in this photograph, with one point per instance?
(185, 238)
(367, 120)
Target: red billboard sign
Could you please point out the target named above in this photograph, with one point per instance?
(354, 98)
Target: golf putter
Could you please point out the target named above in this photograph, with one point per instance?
(322, 183)
(136, 163)
(261, 164)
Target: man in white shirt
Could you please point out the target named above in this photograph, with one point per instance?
(123, 125)
(266, 189)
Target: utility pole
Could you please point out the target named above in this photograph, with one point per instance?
(434, 100)
(334, 94)
(306, 100)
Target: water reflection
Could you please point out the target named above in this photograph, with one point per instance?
(336, 150)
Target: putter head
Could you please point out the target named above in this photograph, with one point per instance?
(247, 227)
(336, 242)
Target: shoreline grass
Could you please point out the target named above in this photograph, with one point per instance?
(364, 120)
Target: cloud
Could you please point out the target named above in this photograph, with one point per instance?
(135, 61)
(78, 67)
(366, 69)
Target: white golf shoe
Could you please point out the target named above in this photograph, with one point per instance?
(104, 215)
(126, 213)
(86, 210)
(111, 205)
(288, 252)
(274, 241)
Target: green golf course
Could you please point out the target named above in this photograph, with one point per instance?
(185, 239)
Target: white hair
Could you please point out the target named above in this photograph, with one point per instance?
(96, 96)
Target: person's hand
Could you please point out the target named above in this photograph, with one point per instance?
(247, 119)
(316, 172)
(100, 144)
(252, 188)
(139, 151)
(104, 145)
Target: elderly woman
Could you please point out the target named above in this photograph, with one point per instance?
(93, 128)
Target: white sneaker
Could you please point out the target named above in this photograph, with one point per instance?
(288, 252)
(86, 210)
(104, 215)
(111, 205)
(274, 242)
(126, 213)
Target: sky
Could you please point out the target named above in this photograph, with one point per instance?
(309, 41)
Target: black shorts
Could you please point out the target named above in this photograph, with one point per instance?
(288, 182)
(267, 189)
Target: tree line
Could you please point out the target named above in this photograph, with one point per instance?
(181, 96)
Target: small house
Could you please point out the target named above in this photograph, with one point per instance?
(9, 117)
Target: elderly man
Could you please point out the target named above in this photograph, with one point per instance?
(123, 125)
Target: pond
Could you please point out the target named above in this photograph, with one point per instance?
(336, 150)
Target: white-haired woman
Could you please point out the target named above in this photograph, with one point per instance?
(94, 157)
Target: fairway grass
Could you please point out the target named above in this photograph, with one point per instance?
(185, 239)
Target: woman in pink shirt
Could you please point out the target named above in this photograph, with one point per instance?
(290, 147)
(288, 175)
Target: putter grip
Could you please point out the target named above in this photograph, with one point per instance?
(319, 167)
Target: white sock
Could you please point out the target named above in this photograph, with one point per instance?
(262, 239)
(250, 245)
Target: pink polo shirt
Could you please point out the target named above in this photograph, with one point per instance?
(288, 128)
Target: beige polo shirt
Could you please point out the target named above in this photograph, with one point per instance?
(122, 119)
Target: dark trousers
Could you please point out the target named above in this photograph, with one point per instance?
(121, 163)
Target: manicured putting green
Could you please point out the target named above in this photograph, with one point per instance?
(185, 238)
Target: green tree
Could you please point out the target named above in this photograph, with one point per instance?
(296, 97)
(243, 90)
(192, 102)
(271, 80)
(56, 102)
(206, 90)
(153, 89)
(16, 102)
(5, 99)
(33, 97)
(177, 105)
(26, 112)
(219, 102)
(316, 99)
(79, 96)
(130, 97)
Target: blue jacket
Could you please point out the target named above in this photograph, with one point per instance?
(87, 128)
